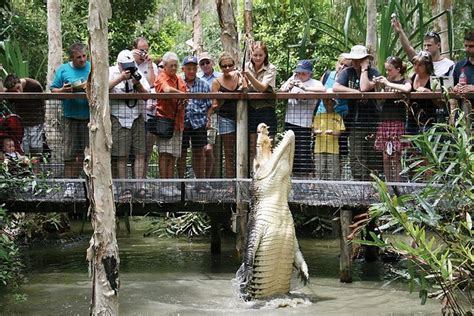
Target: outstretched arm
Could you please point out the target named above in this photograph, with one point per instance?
(407, 47)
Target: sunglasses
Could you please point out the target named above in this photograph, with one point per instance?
(161, 66)
(227, 66)
(433, 35)
(205, 62)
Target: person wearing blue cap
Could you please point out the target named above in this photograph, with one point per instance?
(299, 115)
(195, 121)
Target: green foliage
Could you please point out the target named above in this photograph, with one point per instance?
(191, 224)
(10, 263)
(438, 217)
(12, 59)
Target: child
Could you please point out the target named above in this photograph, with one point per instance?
(15, 162)
(327, 128)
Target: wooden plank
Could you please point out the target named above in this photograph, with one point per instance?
(345, 264)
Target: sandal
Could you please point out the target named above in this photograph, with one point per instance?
(125, 195)
(143, 194)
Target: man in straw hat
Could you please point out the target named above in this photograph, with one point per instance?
(363, 115)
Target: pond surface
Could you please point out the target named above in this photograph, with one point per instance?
(177, 277)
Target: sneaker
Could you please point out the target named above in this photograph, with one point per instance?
(166, 191)
(70, 191)
(175, 190)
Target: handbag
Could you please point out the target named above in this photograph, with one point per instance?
(162, 127)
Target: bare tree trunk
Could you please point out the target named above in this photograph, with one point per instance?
(53, 113)
(102, 253)
(248, 26)
(197, 27)
(443, 24)
(371, 39)
(229, 35)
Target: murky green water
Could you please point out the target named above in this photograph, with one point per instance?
(177, 277)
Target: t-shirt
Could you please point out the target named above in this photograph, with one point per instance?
(30, 110)
(327, 143)
(468, 71)
(126, 111)
(169, 107)
(393, 110)
(361, 112)
(299, 112)
(66, 73)
(443, 67)
(341, 104)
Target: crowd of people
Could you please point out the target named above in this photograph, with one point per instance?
(369, 132)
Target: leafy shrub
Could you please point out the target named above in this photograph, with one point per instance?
(442, 210)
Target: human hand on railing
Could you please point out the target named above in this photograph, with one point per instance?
(329, 132)
(422, 89)
(463, 88)
(67, 87)
(317, 131)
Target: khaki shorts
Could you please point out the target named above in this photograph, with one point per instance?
(76, 138)
(171, 146)
(128, 141)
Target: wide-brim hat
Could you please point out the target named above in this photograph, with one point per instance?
(357, 52)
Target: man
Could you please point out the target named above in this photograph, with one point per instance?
(128, 125)
(170, 149)
(208, 74)
(431, 43)
(69, 77)
(149, 69)
(195, 121)
(465, 68)
(362, 117)
(30, 110)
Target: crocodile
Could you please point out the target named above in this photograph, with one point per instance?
(272, 249)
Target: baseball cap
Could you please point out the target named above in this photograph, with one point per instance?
(125, 58)
(204, 56)
(190, 60)
(304, 66)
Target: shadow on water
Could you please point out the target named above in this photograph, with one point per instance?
(175, 276)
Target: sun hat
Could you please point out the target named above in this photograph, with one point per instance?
(357, 52)
(304, 66)
(190, 60)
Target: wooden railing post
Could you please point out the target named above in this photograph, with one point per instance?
(345, 267)
(241, 172)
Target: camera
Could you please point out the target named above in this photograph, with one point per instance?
(134, 73)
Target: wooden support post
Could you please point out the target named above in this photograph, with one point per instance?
(215, 233)
(345, 263)
(241, 172)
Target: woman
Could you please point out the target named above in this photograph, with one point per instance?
(229, 81)
(392, 125)
(423, 112)
(299, 115)
(260, 75)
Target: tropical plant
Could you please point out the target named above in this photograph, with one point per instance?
(10, 263)
(11, 57)
(437, 219)
(190, 224)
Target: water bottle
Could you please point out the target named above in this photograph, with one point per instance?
(462, 77)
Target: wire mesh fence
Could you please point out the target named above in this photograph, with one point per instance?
(333, 145)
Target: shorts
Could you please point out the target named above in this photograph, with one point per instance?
(33, 139)
(171, 146)
(198, 138)
(262, 115)
(212, 131)
(225, 125)
(128, 141)
(326, 166)
(76, 138)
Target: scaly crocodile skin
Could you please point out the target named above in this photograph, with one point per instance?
(272, 249)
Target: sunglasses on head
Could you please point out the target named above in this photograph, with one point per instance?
(204, 62)
(433, 35)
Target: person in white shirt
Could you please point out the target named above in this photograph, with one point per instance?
(299, 115)
(128, 125)
(432, 44)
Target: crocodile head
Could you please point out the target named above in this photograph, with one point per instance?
(275, 168)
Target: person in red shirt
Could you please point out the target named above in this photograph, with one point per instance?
(170, 149)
